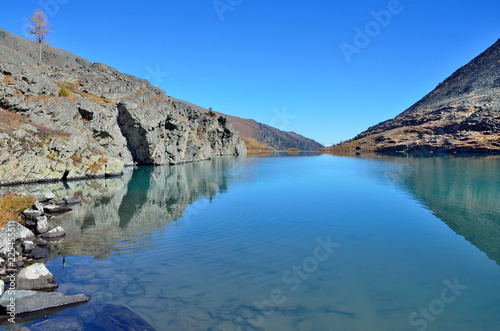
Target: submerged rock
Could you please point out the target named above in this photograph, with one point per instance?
(114, 317)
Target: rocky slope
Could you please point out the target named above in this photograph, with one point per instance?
(462, 115)
(70, 118)
(270, 137)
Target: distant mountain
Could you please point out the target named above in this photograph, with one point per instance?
(258, 135)
(462, 114)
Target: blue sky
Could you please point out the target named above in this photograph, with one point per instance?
(300, 66)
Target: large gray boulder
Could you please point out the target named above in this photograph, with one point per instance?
(35, 277)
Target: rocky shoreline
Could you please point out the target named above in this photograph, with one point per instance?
(27, 287)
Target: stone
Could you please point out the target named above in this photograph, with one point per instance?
(32, 301)
(45, 196)
(38, 206)
(35, 277)
(54, 233)
(31, 213)
(39, 253)
(71, 201)
(28, 246)
(40, 242)
(42, 224)
(20, 232)
(56, 209)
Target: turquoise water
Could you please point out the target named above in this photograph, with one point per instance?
(290, 242)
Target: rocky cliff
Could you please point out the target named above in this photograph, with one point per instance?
(255, 133)
(70, 118)
(462, 114)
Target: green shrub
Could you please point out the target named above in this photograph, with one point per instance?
(63, 92)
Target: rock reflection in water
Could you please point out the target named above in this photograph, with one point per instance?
(143, 200)
(462, 192)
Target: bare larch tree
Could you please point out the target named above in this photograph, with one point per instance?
(38, 28)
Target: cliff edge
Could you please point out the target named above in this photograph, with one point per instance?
(70, 118)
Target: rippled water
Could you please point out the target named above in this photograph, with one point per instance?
(290, 242)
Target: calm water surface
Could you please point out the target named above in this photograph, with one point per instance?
(290, 242)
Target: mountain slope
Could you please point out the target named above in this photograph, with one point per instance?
(462, 114)
(266, 135)
(70, 118)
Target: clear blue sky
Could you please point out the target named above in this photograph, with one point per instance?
(278, 62)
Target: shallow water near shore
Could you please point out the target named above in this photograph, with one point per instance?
(289, 242)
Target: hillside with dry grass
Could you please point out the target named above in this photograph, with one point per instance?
(263, 134)
(461, 115)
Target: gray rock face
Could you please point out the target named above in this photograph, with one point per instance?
(107, 120)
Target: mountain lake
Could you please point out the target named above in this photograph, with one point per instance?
(286, 241)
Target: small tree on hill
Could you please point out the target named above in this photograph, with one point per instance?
(38, 28)
(211, 112)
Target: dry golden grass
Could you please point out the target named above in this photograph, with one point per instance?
(15, 120)
(11, 205)
(253, 145)
(85, 95)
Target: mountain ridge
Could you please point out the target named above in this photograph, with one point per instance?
(263, 134)
(461, 115)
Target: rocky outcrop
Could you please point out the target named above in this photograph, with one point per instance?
(461, 115)
(70, 118)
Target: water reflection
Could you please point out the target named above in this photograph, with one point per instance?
(141, 202)
(462, 192)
